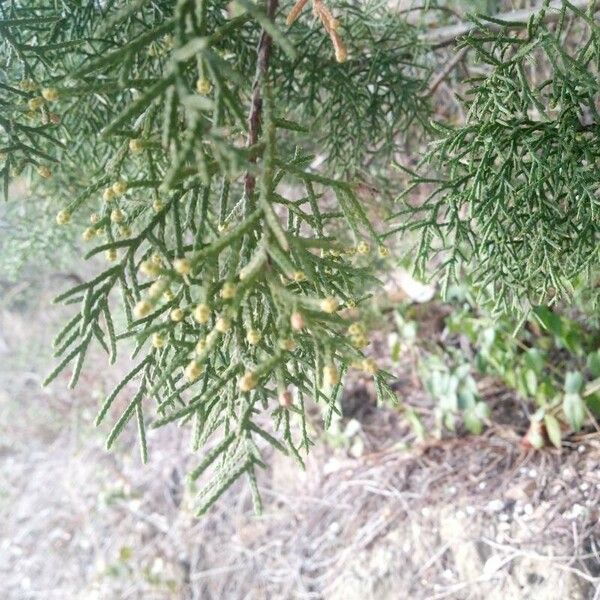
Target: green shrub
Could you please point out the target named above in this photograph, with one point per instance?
(184, 140)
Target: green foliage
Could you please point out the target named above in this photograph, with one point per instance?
(380, 89)
(455, 391)
(189, 134)
(513, 194)
(231, 258)
(550, 361)
(25, 238)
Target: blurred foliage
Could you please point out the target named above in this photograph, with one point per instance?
(551, 361)
(370, 106)
(26, 240)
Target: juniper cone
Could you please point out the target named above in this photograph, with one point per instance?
(178, 140)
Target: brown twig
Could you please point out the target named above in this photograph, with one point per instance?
(295, 12)
(263, 53)
(328, 21)
(441, 76)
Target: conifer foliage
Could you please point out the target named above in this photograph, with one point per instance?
(514, 190)
(158, 123)
(210, 151)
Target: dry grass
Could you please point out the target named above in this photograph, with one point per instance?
(463, 518)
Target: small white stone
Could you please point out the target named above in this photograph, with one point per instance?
(495, 505)
(576, 511)
(492, 565)
(352, 428)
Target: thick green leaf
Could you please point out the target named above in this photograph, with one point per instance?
(531, 381)
(593, 403)
(416, 424)
(553, 429)
(573, 382)
(551, 321)
(574, 409)
(472, 422)
(593, 363)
